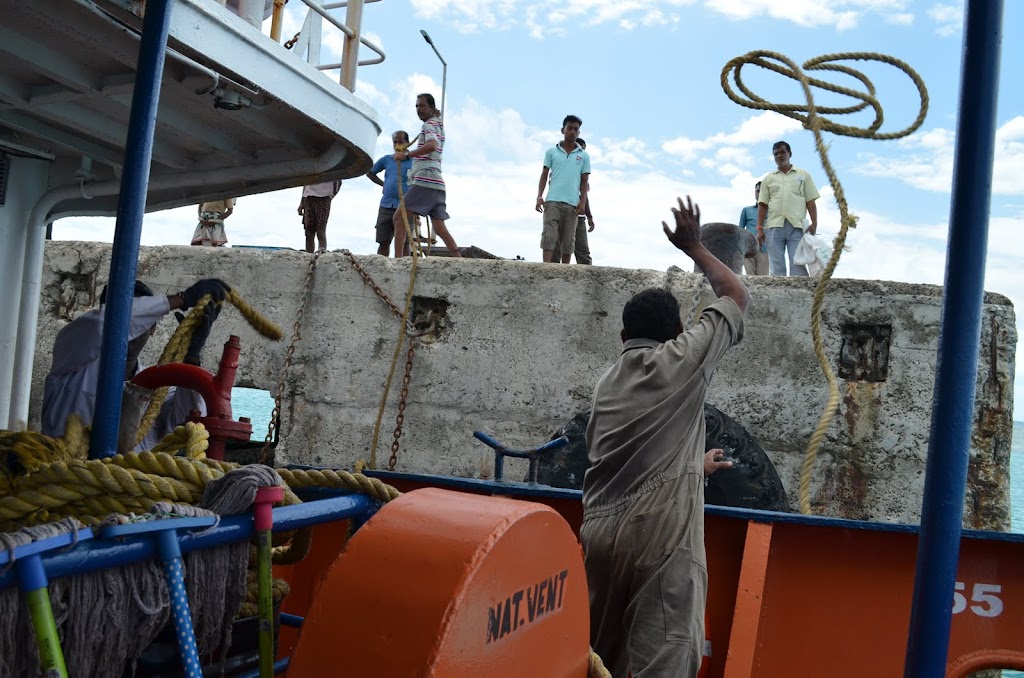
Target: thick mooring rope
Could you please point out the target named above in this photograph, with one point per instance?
(90, 489)
(812, 118)
(415, 252)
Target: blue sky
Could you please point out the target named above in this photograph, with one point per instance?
(644, 77)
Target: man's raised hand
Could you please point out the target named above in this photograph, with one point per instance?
(687, 230)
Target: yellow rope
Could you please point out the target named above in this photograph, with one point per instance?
(89, 489)
(177, 347)
(810, 116)
(596, 668)
(250, 606)
(414, 251)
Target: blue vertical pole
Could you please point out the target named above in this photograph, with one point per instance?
(130, 209)
(956, 369)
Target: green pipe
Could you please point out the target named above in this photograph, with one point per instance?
(266, 604)
(51, 658)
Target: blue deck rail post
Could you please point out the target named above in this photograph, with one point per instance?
(131, 206)
(959, 337)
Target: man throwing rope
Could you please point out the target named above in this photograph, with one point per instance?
(643, 495)
(71, 383)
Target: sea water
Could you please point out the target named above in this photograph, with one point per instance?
(258, 405)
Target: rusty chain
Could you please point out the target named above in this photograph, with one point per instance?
(372, 284)
(291, 43)
(275, 415)
(413, 334)
(400, 417)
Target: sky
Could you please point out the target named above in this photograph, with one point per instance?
(644, 77)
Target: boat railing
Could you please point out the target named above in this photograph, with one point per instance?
(309, 38)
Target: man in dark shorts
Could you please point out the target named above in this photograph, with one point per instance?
(426, 195)
(389, 202)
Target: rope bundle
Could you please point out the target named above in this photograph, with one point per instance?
(88, 489)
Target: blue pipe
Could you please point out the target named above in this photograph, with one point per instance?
(956, 368)
(131, 206)
(99, 554)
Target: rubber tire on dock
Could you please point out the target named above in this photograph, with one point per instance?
(752, 483)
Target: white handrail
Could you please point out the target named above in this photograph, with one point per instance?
(351, 30)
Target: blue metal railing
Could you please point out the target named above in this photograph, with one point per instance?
(956, 367)
(99, 554)
(533, 455)
(131, 207)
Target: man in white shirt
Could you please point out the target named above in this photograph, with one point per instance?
(71, 383)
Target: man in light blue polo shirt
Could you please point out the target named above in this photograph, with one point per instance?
(569, 167)
(389, 202)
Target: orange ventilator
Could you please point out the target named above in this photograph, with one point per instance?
(448, 585)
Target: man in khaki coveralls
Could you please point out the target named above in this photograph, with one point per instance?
(643, 495)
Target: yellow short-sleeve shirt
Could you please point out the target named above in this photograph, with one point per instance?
(787, 195)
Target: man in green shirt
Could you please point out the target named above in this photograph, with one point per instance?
(569, 167)
(786, 196)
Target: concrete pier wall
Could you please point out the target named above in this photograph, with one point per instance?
(520, 346)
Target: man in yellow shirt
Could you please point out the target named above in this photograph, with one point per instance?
(786, 196)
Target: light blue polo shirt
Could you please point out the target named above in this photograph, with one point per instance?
(566, 170)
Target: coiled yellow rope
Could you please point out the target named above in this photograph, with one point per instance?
(90, 489)
(177, 347)
(811, 116)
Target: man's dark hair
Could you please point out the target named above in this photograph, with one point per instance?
(571, 118)
(651, 314)
(782, 143)
(403, 132)
(429, 98)
(581, 142)
(141, 290)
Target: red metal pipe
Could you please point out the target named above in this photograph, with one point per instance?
(215, 390)
(186, 376)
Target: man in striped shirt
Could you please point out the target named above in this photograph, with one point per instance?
(426, 195)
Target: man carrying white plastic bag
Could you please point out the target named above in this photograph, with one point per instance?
(812, 252)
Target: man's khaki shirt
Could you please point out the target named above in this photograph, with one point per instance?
(647, 420)
(787, 195)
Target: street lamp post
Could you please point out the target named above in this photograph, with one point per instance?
(444, 68)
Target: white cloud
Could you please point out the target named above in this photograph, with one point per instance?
(948, 18)
(620, 153)
(539, 18)
(544, 18)
(758, 128)
(840, 14)
(925, 160)
(900, 19)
